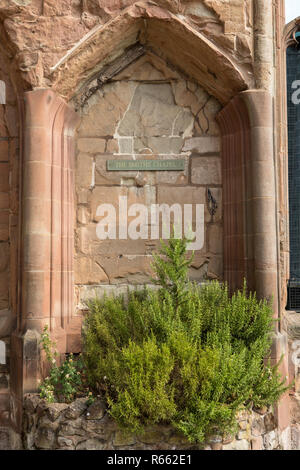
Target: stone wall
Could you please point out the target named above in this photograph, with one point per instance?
(38, 33)
(9, 182)
(81, 427)
(147, 111)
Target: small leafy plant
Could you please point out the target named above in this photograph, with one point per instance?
(63, 381)
(185, 354)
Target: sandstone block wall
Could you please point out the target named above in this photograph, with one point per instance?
(148, 111)
(81, 427)
(38, 33)
(9, 182)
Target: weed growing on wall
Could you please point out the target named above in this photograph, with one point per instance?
(186, 354)
(64, 381)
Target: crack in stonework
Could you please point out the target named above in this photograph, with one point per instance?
(108, 73)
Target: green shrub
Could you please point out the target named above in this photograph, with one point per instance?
(184, 354)
(64, 381)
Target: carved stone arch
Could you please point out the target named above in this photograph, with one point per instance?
(99, 53)
(289, 32)
(167, 35)
(49, 162)
(135, 29)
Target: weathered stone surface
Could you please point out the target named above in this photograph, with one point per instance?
(285, 439)
(112, 105)
(6, 322)
(3, 382)
(65, 442)
(76, 409)
(96, 410)
(295, 437)
(261, 411)
(4, 439)
(206, 170)
(83, 215)
(122, 439)
(153, 112)
(148, 68)
(92, 444)
(215, 239)
(237, 445)
(71, 428)
(89, 271)
(55, 409)
(178, 440)
(269, 422)
(270, 440)
(91, 145)
(153, 436)
(45, 439)
(110, 195)
(257, 426)
(63, 8)
(202, 145)
(257, 443)
(158, 145)
(85, 170)
(31, 402)
(96, 430)
(244, 434)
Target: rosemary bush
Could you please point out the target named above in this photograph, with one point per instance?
(188, 355)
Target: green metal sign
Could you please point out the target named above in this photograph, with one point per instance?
(145, 165)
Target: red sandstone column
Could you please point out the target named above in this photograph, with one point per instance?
(263, 194)
(41, 109)
(48, 210)
(47, 237)
(250, 225)
(251, 234)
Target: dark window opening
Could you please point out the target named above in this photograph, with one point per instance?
(293, 104)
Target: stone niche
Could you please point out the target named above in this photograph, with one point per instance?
(147, 111)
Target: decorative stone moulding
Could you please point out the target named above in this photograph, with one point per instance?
(47, 240)
(291, 33)
(167, 35)
(48, 211)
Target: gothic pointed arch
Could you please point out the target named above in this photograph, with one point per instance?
(164, 33)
